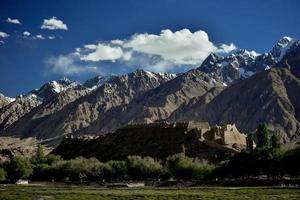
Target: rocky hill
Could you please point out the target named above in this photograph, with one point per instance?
(158, 140)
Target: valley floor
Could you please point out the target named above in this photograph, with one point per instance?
(11, 192)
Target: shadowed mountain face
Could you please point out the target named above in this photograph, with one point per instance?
(271, 96)
(244, 88)
(158, 140)
(156, 104)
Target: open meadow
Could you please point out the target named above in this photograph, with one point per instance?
(12, 192)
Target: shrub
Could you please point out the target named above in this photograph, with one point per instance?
(182, 167)
(2, 174)
(115, 170)
(51, 159)
(146, 167)
(18, 168)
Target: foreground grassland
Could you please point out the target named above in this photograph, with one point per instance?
(12, 192)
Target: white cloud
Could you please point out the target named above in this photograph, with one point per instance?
(13, 21)
(102, 52)
(51, 37)
(117, 42)
(66, 65)
(40, 37)
(224, 48)
(3, 35)
(26, 34)
(167, 51)
(53, 24)
(173, 48)
(90, 46)
(180, 47)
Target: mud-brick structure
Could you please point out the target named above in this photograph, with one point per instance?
(225, 135)
(222, 135)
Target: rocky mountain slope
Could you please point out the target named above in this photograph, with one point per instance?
(5, 100)
(23, 104)
(242, 63)
(270, 96)
(26, 126)
(156, 104)
(77, 115)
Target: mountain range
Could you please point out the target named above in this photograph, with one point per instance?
(243, 87)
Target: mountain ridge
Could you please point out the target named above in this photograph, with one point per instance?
(104, 103)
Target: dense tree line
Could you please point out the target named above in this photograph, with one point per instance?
(53, 168)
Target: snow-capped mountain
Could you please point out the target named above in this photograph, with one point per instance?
(97, 81)
(284, 45)
(88, 108)
(4, 100)
(242, 64)
(50, 89)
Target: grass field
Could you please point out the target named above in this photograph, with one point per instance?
(12, 192)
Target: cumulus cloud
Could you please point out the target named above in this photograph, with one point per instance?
(225, 49)
(102, 52)
(40, 37)
(180, 47)
(26, 34)
(51, 37)
(3, 35)
(54, 24)
(13, 21)
(176, 48)
(167, 51)
(67, 65)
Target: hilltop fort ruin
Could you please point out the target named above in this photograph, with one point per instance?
(159, 139)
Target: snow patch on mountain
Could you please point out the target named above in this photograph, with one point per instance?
(282, 46)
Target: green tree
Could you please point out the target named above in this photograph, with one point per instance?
(182, 167)
(50, 159)
(275, 141)
(262, 136)
(2, 174)
(39, 157)
(18, 168)
(146, 167)
(249, 142)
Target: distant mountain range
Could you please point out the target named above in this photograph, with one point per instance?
(244, 87)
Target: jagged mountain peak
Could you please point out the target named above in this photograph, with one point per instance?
(96, 81)
(52, 88)
(242, 63)
(246, 53)
(4, 100)
(282, 46)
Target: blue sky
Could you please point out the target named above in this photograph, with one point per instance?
(80, 39)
